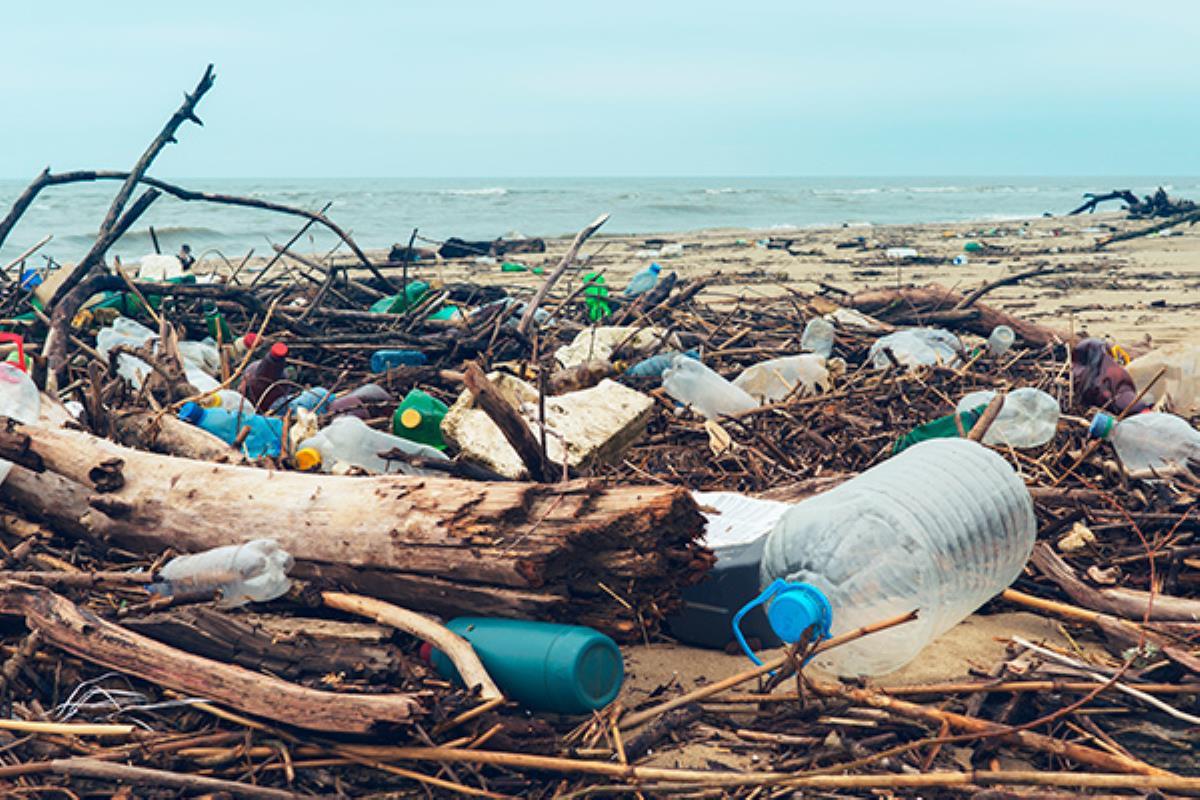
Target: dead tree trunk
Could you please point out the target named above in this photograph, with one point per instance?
(615, 558)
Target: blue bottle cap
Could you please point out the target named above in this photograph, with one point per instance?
(191, 412)
(797, 608)
(655, 268)
(1102, 425)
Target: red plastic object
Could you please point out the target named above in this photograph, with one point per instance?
(20, 340)
(1100, 381)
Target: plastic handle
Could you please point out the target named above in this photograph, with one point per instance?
(776, 586)
(20, 340)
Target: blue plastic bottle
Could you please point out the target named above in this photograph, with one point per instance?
(266, 433)
(568, 669)
(383, 360)
(643, 282)
(315, 399)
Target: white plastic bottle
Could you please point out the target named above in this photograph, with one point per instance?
(818, 337)
(1151, 443)
(940, 528)
(252, 572)
(1001, 340)
(775, 379)
(131, 334)
(19, 400)
(1029, 417)
(695, 385)
(351, 441)
(915, 347)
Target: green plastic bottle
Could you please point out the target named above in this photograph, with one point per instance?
(218, 328)
(512, 266)
(418, 418)
(568, 669)
(972, 247)
(399, 303)
(941, 428)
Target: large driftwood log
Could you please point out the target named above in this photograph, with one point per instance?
(914, 301)
(89, 637)
(564, 552)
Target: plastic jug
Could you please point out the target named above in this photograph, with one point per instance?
(916, 347)
(1029, 417)
(351, 441)
(1099, 380)
(693, 384)
(941, 528)
(263, 382)
(419, 417)
(777, 378)
(19, 400)
(643, 281)
(1151, 442)
(252, 572)
(544, 666)
(1180, 382)
(264, 439)
(383, 360)
(818, 337)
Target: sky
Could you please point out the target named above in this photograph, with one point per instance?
(396, 89)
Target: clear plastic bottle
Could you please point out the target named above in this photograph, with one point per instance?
(695, 385)
(351, 441)
(775, 379)
(1180, 381)
(252, 572)
(818, 337)
(643, 281)
(19, 400)
(941, 528)
(1029, 417)
(1001, 340)
(128, 333)
(1150, 442)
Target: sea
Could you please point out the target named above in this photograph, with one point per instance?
(379, 212)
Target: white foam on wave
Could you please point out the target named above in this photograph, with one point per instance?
(726, 190)
(487, 190)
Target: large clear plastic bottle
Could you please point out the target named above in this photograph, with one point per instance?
(775, 379)
(252, 572)
(19, 400)
(351, 441)
(1151, 442)
(941, 528)
(695, 385)
(1029, 417)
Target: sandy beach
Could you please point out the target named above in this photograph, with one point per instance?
(1141, 293)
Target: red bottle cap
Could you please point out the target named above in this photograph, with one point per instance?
(279, 350)
(426, 652)
(250, 339)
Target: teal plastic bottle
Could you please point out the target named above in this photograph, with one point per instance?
(567, 669)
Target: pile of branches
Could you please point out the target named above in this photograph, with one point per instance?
(1158, 204)
(323, 692)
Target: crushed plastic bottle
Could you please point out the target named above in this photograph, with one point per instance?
(1151, 443)
(654, 366)
(350, 441)
(917, 347)
(1029, 417)
(643, 281)
(1100, 381)
(941, 528)
(1001, 340)
(125, 332)
(777, 378)
(19, 400)
(818, 337)
(693, 384)
(254, 572)
(266, 433)
(1179, 385)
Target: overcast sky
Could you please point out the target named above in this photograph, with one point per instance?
(389, 89)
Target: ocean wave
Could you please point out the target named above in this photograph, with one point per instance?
(489, 190)
(840, 192)
(727, 190)
(935, 189)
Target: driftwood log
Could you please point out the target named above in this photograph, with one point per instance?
(614, 558)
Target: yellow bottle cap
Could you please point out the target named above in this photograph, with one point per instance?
(410, 418)
(308, 459)
(212, 402)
